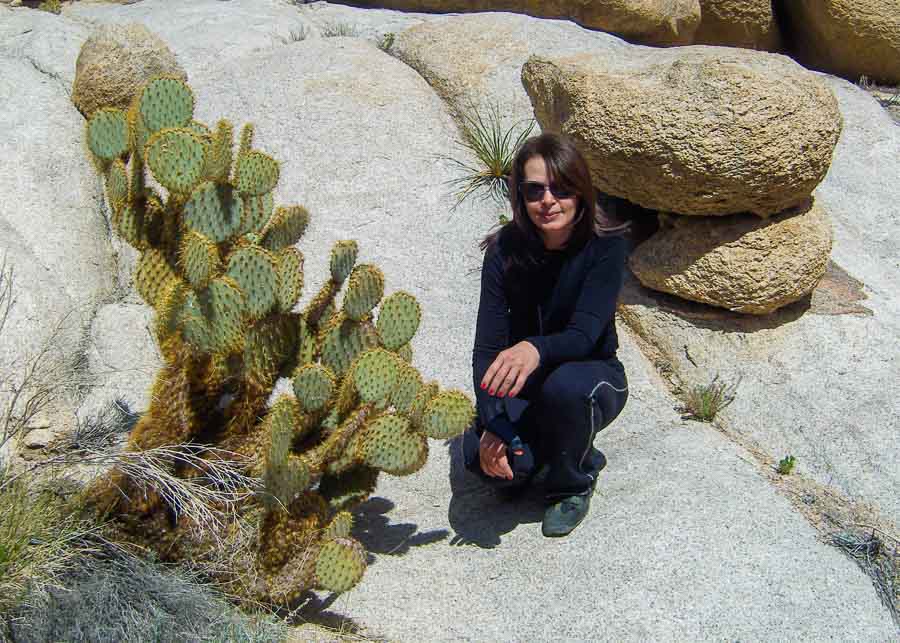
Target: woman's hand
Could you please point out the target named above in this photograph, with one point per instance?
(492, 456)
(510, 369)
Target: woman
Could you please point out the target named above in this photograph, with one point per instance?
(545, 368)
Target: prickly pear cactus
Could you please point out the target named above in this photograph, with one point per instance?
(220, 268)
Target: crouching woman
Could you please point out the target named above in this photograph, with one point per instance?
(545, 368)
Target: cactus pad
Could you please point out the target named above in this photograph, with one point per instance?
(340, 565)
(257, 212)
(129, 223)
(423, 397)
(153, 275)
(409, 383)
(165, 102)
(223, 302)
(390, 444)
(375, 375)
(314, 385)
(176, 158)
(348, 487)
(117, 185)
(107, 134)
(398, 320)
(340, 526)
(256, 273)
(214, 211)
(447, 415)
(405, 353)
(343, 257)
(364, 290)
(199, 259)
(268, 345)
(256, 173)
(342, 340)
(285, 228)
(218, 156)
(290, 278)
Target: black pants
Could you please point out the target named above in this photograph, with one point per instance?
(557, 416)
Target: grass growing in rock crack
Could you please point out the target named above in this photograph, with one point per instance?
(494, 148)
(878, 554)
(339, 29)
(705, 402)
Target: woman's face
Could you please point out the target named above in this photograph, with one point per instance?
(553, 214)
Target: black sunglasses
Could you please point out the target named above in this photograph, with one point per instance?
(534, 191)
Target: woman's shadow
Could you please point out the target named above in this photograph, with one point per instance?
(478, 514)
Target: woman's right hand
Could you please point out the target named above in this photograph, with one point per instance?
(492, 456)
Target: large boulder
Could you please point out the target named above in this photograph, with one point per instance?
(850, 38)
(651, 22)
(738, 23)
(115, 61)
(742, 263)
(694, 130)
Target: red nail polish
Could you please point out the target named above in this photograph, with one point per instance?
(483, 387)
(491, 391)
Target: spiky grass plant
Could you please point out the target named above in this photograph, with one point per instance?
(786, 465)
(494, 148)
(338, 30)
(705, 402)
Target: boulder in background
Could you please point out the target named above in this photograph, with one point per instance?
(738, 23)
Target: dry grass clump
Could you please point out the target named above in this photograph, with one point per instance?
(878, 554)
(705, 402)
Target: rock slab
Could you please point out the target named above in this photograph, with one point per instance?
(738, 23)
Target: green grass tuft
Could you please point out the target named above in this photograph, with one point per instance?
(786, 465)
(339, 29)
(705, 402)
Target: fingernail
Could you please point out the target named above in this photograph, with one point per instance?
(503, 395)
(491, 391)
(483, 386)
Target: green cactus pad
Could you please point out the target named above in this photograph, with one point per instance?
(285, 228)
(129, 223)
(398, 320)
(257, 212)
(199, 259)
(176, 158)
(390, 444)
(224, 302)
(343, 257)
(409, 383)
(166, 102)
(286, 480)
(405, 353)
(290, 278)
(280, 422)
(423, 397)
(342, 340)
(375, 375)
(218, 156)
(152, 275)
(194, 325)
(447, 415)
(340, 526)
(364, 290)
(107, 134)
(267, 347)
(340, 565)
(201, 130)
(214, 211)
(314, 385)
(117, 185)
(256, 272)
(256, 173)
(246, 141)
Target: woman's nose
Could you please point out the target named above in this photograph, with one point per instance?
(548, 197)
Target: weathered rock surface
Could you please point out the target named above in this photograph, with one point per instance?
(651, 22)
(204, 33)
(813, 383)
(473, 61)
(738, 23)
(52, 230)
(115, 61)
(742, 263)
(850, 38)
(692, 130)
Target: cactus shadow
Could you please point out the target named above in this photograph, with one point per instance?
(479, 515)
(373, 528)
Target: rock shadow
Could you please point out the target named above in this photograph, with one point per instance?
(478, 514)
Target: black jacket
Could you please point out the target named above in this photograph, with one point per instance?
(565, 308)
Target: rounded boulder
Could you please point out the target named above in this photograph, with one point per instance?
(849, 38)
(693, 130)
(738, 23)
(115, 61)
(741, 263)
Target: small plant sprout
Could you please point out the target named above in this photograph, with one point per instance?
(705, 402)
(386, 42)
(786, 465)
(494, 148)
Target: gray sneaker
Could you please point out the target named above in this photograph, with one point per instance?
(563, 516)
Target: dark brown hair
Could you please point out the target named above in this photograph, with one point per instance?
(568, 169)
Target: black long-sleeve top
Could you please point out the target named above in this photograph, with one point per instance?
(565, 307)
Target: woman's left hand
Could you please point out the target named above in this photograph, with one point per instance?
(510, 369)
